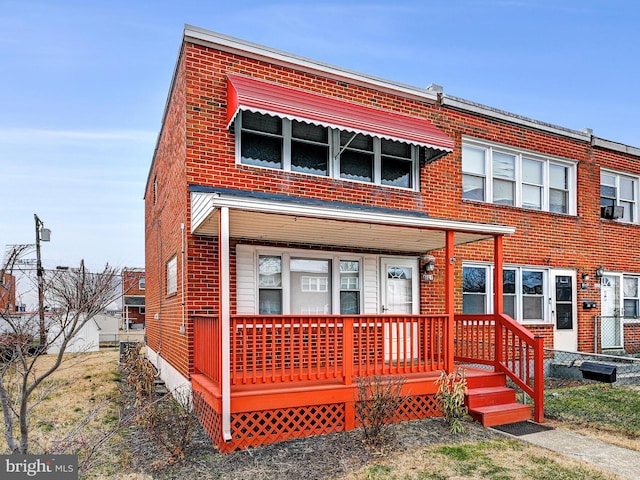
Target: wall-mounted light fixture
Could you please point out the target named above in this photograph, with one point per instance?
(599, 272)
(428, 267)
(585, 276)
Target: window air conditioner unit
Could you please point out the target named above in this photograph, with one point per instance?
(612, 212)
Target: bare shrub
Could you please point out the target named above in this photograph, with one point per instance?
(378, 398)
(140, 373)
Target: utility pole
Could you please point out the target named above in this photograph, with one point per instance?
(45, 237)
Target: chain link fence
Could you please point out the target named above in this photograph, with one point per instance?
(570, 365)
(617, 334)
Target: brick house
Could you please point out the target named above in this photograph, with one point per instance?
(7, 292)
(307, 225)
(133, 298)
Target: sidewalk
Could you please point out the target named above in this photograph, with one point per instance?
(620, 461)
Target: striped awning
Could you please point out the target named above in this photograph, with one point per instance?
(258, 96)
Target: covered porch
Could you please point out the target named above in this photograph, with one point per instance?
(260, 378)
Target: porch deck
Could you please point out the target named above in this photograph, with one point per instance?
(293, 376)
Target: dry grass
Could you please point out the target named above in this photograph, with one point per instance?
(497, 459)
(83, 386)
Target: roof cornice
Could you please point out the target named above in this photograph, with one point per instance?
(207, 38)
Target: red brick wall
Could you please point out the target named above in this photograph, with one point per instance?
(165, 210)
(195, 130)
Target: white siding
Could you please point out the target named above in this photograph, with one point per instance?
(245, 280)
(200, 209)
(370, 284)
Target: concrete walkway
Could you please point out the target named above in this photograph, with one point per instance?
(620, 461)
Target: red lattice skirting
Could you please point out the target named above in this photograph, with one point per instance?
(252, 429)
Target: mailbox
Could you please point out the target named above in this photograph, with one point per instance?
(600, 372)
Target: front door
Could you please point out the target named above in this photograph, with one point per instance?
(563, 310)
(611, 329)
(399, 294)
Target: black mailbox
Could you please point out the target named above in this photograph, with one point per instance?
(601, 372)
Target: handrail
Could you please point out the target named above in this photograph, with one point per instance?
(499, 341)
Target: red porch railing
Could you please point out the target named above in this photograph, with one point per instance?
(501, 342)
(293, 348)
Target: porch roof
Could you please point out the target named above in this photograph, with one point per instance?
(264, 97)
(280, 218)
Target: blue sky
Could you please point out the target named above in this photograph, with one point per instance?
(83, 85)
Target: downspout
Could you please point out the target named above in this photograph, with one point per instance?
(183, 327)
(225, 320)
(449, 300)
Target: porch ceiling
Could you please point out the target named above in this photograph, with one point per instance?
(323, 224)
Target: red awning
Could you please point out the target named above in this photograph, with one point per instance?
(263, 97)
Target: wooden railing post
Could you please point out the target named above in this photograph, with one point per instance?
(538, 380)
(347, 349)
(499, 351)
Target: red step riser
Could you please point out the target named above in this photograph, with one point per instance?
(483, 399)
(509, 415)
(493, 380)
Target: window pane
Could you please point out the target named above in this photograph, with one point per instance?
(473, 160)
(631, 308)
(356, 166)
(532, 308)
(270, 271)
(309, 158)
(628, 213)
(532, 197)
(532, 171)
(558, 176)
(474, 280)
(630, 286)
(474, 304)
(509, 281)
(509, 305)
(607, 191)
(350, 303)
(532, 283)
(261, 123)
(504, 165)
(307, 131)
(310, 286)
(396, 172)
(270, 302)
(396, 149)
(558, 201)
(473, 187)
(360, 142)
(261, 150)
(503, 192)
(626, 189)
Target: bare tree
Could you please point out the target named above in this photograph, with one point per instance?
(74, 297)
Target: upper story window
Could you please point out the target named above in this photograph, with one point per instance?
(618, 196)
(291, 145)
(506, 176)
(142, 283)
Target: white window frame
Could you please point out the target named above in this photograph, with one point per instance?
(490, 147)
(546, 295)
(634, 216)
(333, 167)
(142, 283)
(287, 254)
(172, 275)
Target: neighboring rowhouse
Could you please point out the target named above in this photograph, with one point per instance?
(307, 226)
(133, 298)
(7, 292)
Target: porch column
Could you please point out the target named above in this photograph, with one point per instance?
(224, 292)
(498, 302)
(449, 298)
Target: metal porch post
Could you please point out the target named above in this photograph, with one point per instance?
(225, 320)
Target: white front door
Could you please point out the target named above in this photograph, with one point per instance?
(563, 310)
(611, 329)
(400, 295)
